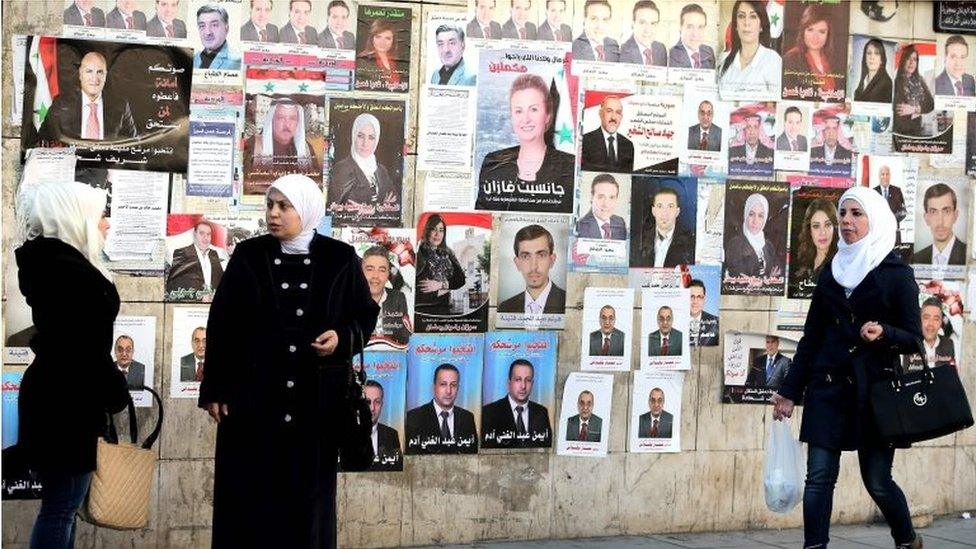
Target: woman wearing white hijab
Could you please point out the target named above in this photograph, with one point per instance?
(279, 339)
(750, 253)
(863, 315)
(72, 382)
(359, 178)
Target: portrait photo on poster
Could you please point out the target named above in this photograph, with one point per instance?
(134, 354)
(443, 393)
(453, 270)
(896, 179)
(531, 290)
(832, 143)
(872, 66)
(518, 389)
(663, 217)
(366, 177)
(750, 67)
(706, 118)
(584, 419)
(665, 314)
(751, 139)
(793, 135)
(120, 105)
(941, 227)
(704, 284)
(216, 46)
(383, 44)
(655, 414)
(451, 61)
(196, 257)
(608, 329)
(386, 394)
(604, 149)
(918, 126)
(692, 30)
(941, 309)
(600, 238)
(955, 86)
(189, 348)
(756, 215)
(815, 38)
(755, 366)
(814, 229)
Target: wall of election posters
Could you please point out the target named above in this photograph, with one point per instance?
(603, 220)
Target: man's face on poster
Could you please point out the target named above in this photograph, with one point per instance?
(585, 405)
(377, 272)
(611, 113)
(884, 176)
(665, 211)
(202, 236)
(830, 131)
(124, 350)
(520, 383)
(338, 20)
(752, 131)
(213, 30)
(665, 319)
(697, 299)
(772, 345)
(125, 6)
(608, 318)
(554, 13)
(693, 29)
(956, 56)
(284, 124)
(655, 401)
(705, 114)
(794, 122)
(603, 200)
(534, 260)
(374, 398)
(166, 9)
(931, 322)
(520, 11)
(485, 11)
(300, 14)
(450, 48)
(84, 5)
(446, 388)
(596, 21)
(260, 12)
(199, 342)
(940, 216)
(645, 25)
(91, 75)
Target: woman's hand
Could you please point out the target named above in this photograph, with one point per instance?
(871, 331)
(326, 343)
(782, 407)
(429, 286)
(216, 409)
(904, 109)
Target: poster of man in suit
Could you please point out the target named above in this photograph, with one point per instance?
(298, 29)
(755, 366)
(600, 237)
(941, 309)
(792, 128)
(832, 147)
(705, 117)
(339, 20)
(703, 289)
(386, 383)
(518, 389)
(895, 178)
(607, 332)
(584, 420)
(663, 220)
(692, 31)
(196, 249)
(168, 21)
(655, 415)
(955, 86)
(940, 227)
(126, 16)
(604, 147)
(443, 392)
(216, 46)
(532, 271)
(134, 352)
(554, 26)
(751, 139)
(83, 13)
(664, 328)
(598, 41)
(188, 351)
(484, 25)
(258, 27)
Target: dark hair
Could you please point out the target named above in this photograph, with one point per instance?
(696, 283)
(446, 366)
(830, 118)
(665, 307)
(551, 1)
(512, 3)
(374, 383)
(202, 222)
(589, 3)
(813, 13)
(932, 302)
(337, 4)
(604, 178)
(123, 336)
(864, 58)
(666, 190)
(955, 39)
(903, 60)
(292, 2)
(644, 5)
(937, 190)
(396, 277)
(377, 26)
(270, 2)
(691, 8)
(535, 82)
(519, 362)
(709, 104)
(792, 108)
(608, 306)
(429, 226)
(213, 8)
(449, 28)
(806, 250)
(531, 232)
(764, 34)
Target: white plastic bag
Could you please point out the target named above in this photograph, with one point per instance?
(784, 470)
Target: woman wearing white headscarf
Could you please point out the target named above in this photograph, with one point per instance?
(279, 339)
(72, 382)
(863, 315)
(359, 177)
(750, 253)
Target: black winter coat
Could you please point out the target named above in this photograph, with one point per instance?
(274, 480)
(836, 367)
(73, 381)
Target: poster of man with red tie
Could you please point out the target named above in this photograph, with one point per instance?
(608, 326)
(188, 350)
(793, 134)
(665, 316)
(655, 412)
(600, 235)
(584, 422)
(755, 366)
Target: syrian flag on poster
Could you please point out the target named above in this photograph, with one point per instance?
(44, 63)
(774, 8)
(564, 124)
(285, 81)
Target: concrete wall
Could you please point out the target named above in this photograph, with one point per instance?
(715, 483)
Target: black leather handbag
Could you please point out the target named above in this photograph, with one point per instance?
(922, 405)
(356, 444)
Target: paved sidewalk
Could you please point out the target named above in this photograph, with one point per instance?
(951, 532)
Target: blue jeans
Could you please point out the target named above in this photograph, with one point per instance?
(823, 466)
(61, 495)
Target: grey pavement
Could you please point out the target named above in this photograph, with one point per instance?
(949, 532)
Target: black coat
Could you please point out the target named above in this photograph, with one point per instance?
(423, 427)
(433, 303)
(741, 258)
(497, 419)
(595, 154)
(835, 367)
(73, 381)
(349, 183)
(276, 450)
(878, 90)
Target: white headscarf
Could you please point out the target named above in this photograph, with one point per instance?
(365, 163)
(308, 201)
(758, 240)
(853, 262)
(267, 133)
(69, 212)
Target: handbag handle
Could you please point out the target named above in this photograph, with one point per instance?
(113, 435)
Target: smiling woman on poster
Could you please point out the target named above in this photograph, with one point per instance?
(807, 63)
(381, 48)
(750, 62)
(750, 253)
(874, 84)
(912, 95)
(534, 162)
(438, 269)
(817, 243)
(359, 177)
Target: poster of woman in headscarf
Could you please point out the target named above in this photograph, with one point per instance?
(284, 126)
(389, 265)
(453, 262)
(815, 51)
(941, 309)
(813, 237)
(918, 126)
(756, 215)
(366, 179)
(751, 141)
(383, 49)
(524, 140)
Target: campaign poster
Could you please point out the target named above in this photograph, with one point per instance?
(663, 218)
(755, 366)
(383, 48)
(584, 418)
(242, 226)
(896, 179)
(655, 412)
(955, 86)
(443, 393)
(815, 36)
(284, 126)
(389, 263)
(704, 284)
(196, 256)
(217, 52)
(134, 354)
(939, 250)
(750, 67)
(665, 317)
(832, 143)
(756, 216)
(523, 148)
(453, 269)
(451, 60)
(138, 220)
(386, 392)
(711, 221)
(292, 28)
(18, 481)
(918, 126)
(189, 347)
(751, 139)
(941, 308)
(814, 230)
(793, 136)
(366, 176)
(971, 143)
(121, 105)
(531, 290)
(872, 68)
(692, 34)
(210, 171)
(519, 389)
(600, 236)
(606, 339)
(705, 117)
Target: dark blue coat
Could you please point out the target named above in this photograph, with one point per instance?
(836, 367)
